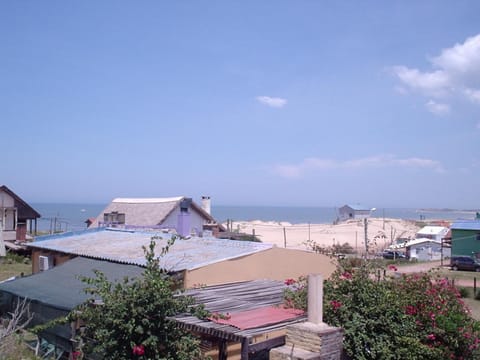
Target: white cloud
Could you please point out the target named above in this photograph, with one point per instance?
(437, 108)
(378, 161)
(455, 72)
(461, 59)
(430, 83)
(272, 101)
(473, 95)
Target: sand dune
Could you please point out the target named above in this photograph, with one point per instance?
(381, 232)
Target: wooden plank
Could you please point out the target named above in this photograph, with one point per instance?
(245, 349)
(268, 344)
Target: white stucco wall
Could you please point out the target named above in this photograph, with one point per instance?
(7, 216)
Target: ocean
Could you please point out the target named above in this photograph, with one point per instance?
(72, 217)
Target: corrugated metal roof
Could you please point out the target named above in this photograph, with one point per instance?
(358, 207)
(256, 295)
(126, 247)
(250, 319)
(421, 241)
(466, 225)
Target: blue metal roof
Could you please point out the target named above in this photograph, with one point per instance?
(127, 247)
(466, 225)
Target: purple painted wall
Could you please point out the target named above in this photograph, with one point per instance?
(183, 224)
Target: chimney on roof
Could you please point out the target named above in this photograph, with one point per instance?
(206, 204)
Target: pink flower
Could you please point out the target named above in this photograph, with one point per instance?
(392, 267)
(410, 310)
(335, 304)
(138, 350)
(431, 337)
(346, 276)
(290, 281)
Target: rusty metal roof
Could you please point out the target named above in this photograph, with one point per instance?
(125, 246)
(254, 307)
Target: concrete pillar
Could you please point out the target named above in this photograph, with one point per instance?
(311, 340)
(315, 298)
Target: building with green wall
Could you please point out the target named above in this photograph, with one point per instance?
(466, 238)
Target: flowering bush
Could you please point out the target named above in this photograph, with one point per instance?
(295, 295)
(411, 317)
(133, 320)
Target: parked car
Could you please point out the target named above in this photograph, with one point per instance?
(464, 263)
(390, 254)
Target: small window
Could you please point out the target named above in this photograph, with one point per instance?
(114, 218)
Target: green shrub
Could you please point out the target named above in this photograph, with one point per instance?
(464, 292)
(15, 258)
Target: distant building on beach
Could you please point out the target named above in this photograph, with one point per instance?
(436, 233)
(347, 212)
(179, 213)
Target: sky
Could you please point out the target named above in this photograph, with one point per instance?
(279, 103)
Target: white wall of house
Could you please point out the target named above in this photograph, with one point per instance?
(428, 251)
(8, 216)
(346, 213)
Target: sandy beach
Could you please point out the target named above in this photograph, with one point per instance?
(381, 233)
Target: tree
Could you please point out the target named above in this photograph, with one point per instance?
(131, 320)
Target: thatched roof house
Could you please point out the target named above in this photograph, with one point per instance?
(179, 213)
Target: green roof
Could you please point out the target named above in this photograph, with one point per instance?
(60, 287)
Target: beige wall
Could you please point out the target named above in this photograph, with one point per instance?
(275, 263)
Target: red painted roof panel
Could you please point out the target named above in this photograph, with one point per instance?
(257, 317)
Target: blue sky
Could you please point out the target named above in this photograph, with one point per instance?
(314, 103)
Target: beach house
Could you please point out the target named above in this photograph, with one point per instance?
(436, 233)
(17, 218)
(348, 212)
(428, 244)
(466, 237)
(179, 213)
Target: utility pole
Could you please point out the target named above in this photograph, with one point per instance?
(383, 219)
(365, 227)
